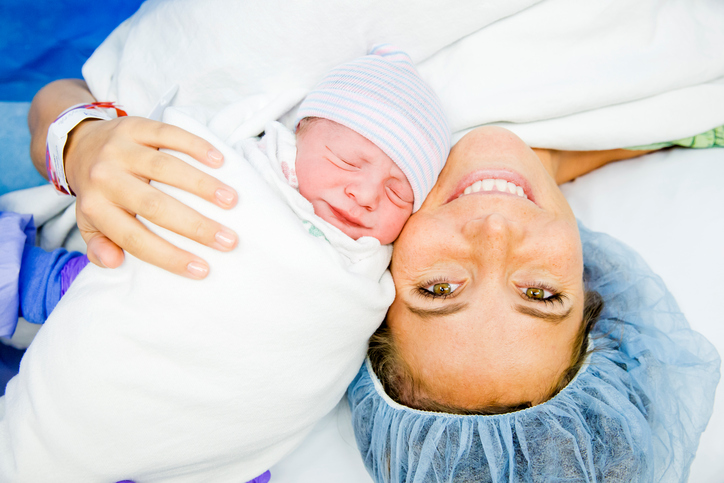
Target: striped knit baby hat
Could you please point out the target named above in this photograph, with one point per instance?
(382, 97)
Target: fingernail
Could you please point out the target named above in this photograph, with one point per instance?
(215, 156)
(224, 196)
(225, 238)
(100, 260)
(197, 269)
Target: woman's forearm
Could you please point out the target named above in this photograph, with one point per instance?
(565, 166)
(47, 105)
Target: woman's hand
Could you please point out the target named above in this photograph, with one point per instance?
(109, 164)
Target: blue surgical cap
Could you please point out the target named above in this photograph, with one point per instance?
(634, 412)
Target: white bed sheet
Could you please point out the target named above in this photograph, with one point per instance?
(668, 207)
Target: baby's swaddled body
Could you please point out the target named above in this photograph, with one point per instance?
(140, 374)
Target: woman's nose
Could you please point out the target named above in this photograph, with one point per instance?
(492, 234)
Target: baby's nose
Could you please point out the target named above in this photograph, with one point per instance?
(365, 194)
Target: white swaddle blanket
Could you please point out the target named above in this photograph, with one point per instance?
(140, 374)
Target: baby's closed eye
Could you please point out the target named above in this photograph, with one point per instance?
(399, 193)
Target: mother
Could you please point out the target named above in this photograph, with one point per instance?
(496, 296)
(489, 314)
(522, 256)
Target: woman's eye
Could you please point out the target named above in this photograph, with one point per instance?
(441, 289)
(537, 293)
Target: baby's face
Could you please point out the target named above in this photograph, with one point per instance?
(351, 183)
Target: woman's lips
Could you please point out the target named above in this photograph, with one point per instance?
(493, 181)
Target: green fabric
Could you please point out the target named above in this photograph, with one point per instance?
(313, 230)
(709, 139)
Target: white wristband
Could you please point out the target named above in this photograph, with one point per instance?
(58, 136)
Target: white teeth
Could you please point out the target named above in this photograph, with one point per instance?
(495, 184)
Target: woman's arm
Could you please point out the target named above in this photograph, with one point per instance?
(47, 105)
(109, 164)
(568, 165)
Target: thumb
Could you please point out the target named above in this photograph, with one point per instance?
(102, 251)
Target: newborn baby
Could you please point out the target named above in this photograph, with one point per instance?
(370, 141)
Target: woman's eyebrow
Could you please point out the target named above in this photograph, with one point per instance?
(437, 312)
(541, 314)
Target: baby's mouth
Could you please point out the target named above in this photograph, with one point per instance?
(346, 218)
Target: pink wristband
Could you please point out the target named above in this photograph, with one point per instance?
(58, 136)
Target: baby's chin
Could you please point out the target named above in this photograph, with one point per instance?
(356, 233)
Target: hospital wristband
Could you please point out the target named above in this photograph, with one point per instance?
(58, 136)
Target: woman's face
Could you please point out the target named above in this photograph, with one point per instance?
(489, 284)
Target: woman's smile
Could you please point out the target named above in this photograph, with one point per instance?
(494, 181)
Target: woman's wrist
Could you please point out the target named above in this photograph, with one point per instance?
(80, 131)
(47, 105)
(564, 166)
(61, 130)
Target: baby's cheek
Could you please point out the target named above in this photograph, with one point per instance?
(393, 226)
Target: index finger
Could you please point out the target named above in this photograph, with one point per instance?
(167, 136)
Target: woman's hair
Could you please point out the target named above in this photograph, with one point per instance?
(398, 382)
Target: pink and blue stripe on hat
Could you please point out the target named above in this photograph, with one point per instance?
(382, 97)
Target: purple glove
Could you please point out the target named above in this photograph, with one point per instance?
(70, 271)
(259, 479)
(264, 478)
